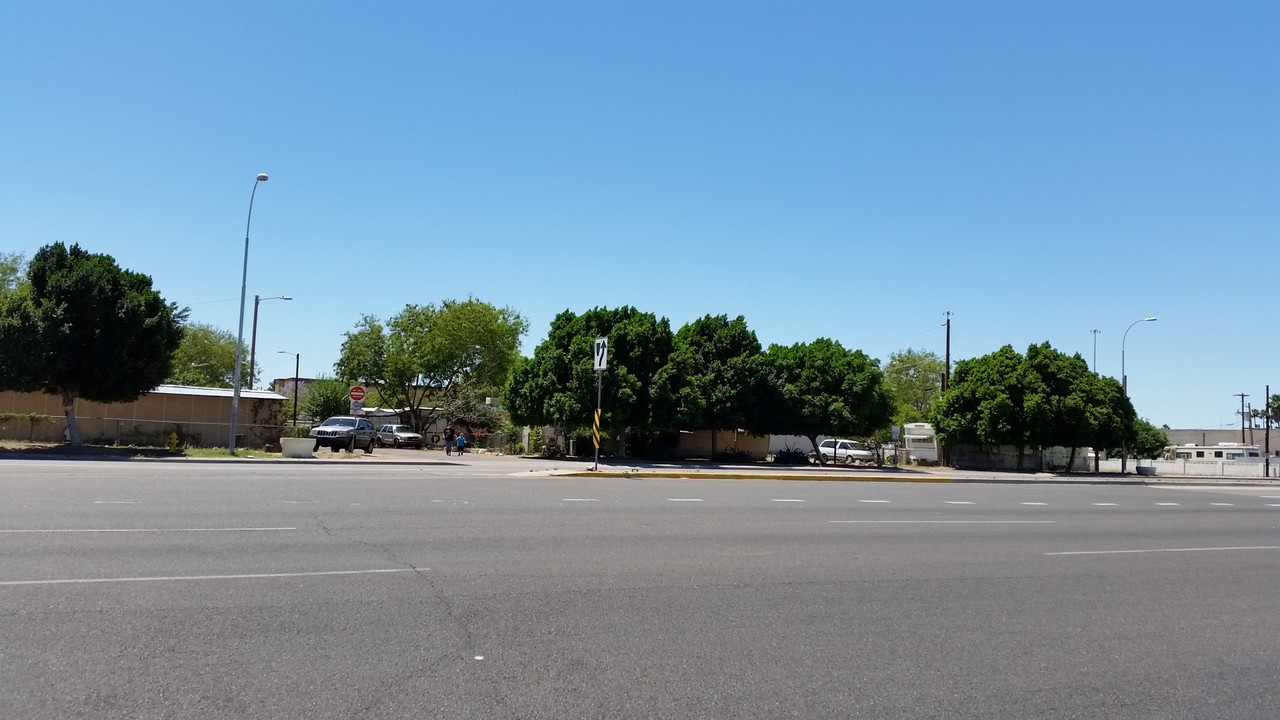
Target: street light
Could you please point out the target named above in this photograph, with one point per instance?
(244, 279)
(253, 337)
(296, 358)
(1124, 386)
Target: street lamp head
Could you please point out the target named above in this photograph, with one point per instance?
(262, 177)
(286, 297)
(1148, 319)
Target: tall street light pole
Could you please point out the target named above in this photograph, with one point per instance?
(244, 280)
(1124, 386)
(1095, 332)
(253, 337)
(296, 358)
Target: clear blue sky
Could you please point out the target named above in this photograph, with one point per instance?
(841, 169)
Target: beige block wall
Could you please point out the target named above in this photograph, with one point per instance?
(698, 444)
(198, 420)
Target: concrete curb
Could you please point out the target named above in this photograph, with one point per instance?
(791, 474)
(716, 475)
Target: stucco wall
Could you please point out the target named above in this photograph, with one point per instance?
(199, 420)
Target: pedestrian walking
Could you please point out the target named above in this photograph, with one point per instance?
(448, 440)
(462, 442)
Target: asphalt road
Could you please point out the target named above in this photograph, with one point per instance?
(346, 590)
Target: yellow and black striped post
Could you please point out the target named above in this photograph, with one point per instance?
(595, 425)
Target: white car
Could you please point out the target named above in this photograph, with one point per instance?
(399, 436)
(846, 451)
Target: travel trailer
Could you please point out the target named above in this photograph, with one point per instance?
(1212, 453)
(920, 443)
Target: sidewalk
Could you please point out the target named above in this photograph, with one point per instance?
(611, 468)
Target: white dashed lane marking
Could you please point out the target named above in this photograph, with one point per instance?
(957, 502)
(943, 522)
(1033, 503)
(684, 499)
(875, 501)
(786, 500)
(1167, 504)
(178, 578)
(1106, 504)
(153, 530)
(579, 500)
(1163, 550)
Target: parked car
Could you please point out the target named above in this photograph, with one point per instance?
(345, 433)
(845, 451)
(399, 436)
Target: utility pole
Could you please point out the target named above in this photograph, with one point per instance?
(1095, 332)
(946, 369)
(1266, 436)
(1243, 414)
(946, 383)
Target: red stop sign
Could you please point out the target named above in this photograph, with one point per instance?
(357, 393)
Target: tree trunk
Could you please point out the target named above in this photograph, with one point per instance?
(69, 410)
(813, 440)
(1071, 460)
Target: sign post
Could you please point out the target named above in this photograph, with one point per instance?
(600, 361)
(356, 393)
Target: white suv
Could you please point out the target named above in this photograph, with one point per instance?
(846, 451)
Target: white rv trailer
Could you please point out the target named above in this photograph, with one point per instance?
(1222, 451)
(920, 442)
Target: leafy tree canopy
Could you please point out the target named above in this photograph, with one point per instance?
(86, 328)
(324, 398)
(1045, 398)
(206, 357)
(557, 386)
(822, 388)
(713, 374)
(915, 377)
(1149, 441)
(424, 353)
(12, 272)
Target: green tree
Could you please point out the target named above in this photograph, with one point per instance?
(84, 327)
(915, 377)
(822, 388)
(467, 405)
(1149, 441)
(206, 357)
(324, 398)
(1269, 416)
(983, 404)
(12, 272)
(713, 374)
(557, 386)
(426, 354)
(1043, 399)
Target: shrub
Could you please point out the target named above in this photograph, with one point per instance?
(791, 456)
(737, 457)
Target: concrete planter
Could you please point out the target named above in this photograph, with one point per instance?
(297, 447)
